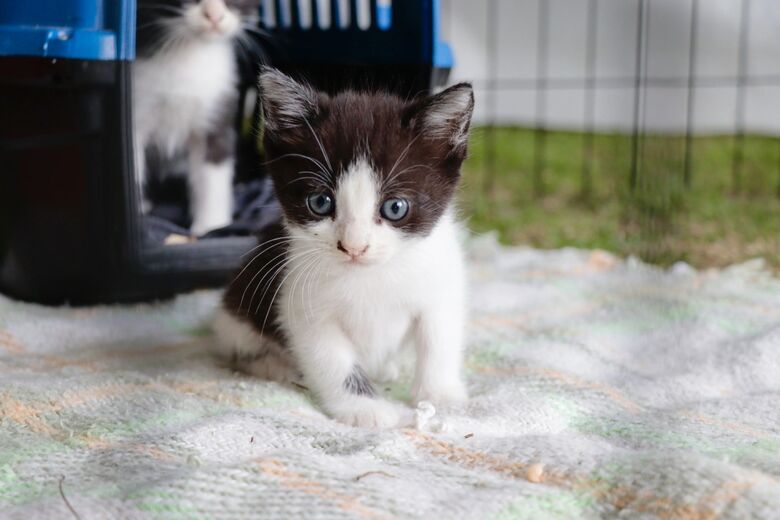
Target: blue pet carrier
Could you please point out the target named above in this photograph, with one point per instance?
(341, 43)
(71, 229)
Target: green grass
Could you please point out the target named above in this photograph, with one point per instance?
(716, 221)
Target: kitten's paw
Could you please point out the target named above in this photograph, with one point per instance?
(367, 412)
(441, 394)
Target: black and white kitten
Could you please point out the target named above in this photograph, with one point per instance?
(367, 258)
(185, 95)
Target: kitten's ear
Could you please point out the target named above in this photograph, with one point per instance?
(446, 115)
(286, 103)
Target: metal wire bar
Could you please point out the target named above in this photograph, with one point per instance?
(586, 187)
(691, 102)
(778, 169)
(640, 43)
(643, 82)
(492, 72)
(627, 82)
(742, 72)
(542, 63)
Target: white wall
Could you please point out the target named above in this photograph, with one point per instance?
(465, 24)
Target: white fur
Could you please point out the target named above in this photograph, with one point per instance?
(178, 93)
(236, 336)
(211, 194)
(350, 311)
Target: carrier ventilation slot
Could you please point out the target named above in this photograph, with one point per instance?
(327, 14)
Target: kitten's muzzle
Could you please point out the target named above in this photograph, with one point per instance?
(214, 11)
(354, 253)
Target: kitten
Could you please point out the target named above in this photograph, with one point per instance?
(185, 95)
(367, 257)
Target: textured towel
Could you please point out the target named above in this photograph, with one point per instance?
(599, 387)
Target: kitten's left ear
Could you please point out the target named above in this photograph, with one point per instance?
(446, 115)
(286, 103)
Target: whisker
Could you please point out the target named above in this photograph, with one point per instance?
(175, 36)
(151, 23)
(300, 156)
(276, 269)
(326, 276)
(254, 277)
(387, 183)
(250, 43)
(256, 30)
(322, 175)
(244, 49)
(276, 239)
(273, 298)
(269, 243)
(403, 154)
(307, 316)
(319, 143)
(310, 178)
(318, 177)
(304, 271)
(297, 267)
(161, 7)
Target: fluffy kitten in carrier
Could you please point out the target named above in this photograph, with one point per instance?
(185, 95)
(367, 258)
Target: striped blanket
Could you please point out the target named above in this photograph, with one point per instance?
(600, 387)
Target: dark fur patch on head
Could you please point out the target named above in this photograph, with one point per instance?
(357, 383)
(416, 147)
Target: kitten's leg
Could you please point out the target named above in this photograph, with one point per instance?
(439, 341)
(211, 168)
(326, 357)
(139, 158)
(248, 351)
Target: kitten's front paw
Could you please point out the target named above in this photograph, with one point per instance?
(441, 394)
(366, 412)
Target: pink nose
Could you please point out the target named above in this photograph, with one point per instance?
(213, 10)
(354, 252)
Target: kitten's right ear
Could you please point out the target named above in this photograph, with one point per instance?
(286, 103)
(445, 116)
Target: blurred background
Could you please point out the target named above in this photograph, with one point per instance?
(644, 127)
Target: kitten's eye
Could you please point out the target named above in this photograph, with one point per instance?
(394, 209)
(320, 204)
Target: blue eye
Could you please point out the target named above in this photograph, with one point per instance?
(394, 209)
(320, 204)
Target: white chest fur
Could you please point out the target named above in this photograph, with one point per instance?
(377, 306)
(182, 90)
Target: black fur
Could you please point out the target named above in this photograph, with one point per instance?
(358, 383)
(249, 297)
(421, 167)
